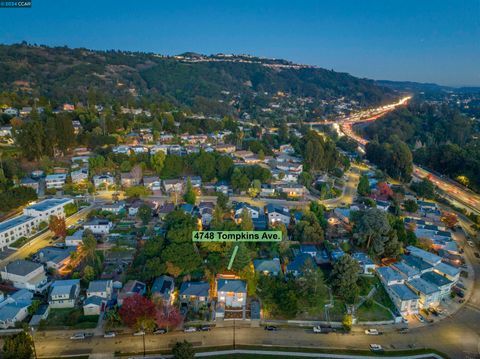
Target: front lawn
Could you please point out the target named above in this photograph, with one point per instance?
(20, 242)
(70, 317)
(381, 296)
(372, 313)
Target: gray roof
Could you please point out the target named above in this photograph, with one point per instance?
(389, 274)
(405, 270)
(436, 279)
(98, 286)
(447, 269)
(197, 289)
(163, 285)
(267, 265)
(13, 222)
(417, 263)
(231, 285)
(423, 286)
(54, 254)
(21, 267)
(95, 300)
(48, 204)
(403, 292)
(426, 256)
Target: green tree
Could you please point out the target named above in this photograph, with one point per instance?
(425, 188)
(242, 258)
(224, 167)
(88, 273)
(410, 205)
(19, 346)
(89, 247)
(372, 230)
(157, 161)
(363, 187)
(189, 196)
(344, 278)
(246, 223)
(183, 350)
(308, 229)
(145, 213)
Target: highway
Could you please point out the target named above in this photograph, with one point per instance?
(451, 190)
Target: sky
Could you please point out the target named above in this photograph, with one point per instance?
(422, 40)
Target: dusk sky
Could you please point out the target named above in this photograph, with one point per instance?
(426, 41)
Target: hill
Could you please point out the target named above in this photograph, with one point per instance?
(217, 83)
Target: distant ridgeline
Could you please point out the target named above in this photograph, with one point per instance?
(214, 85)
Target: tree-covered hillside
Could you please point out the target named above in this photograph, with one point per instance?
(212, 85)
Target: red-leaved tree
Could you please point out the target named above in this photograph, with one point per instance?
(138, 312)
(57, 226)
(384, 191)
(168, 317)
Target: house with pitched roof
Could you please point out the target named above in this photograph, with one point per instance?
(26, 275)
(232, 292)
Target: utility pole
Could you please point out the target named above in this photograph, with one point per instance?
(33, 342)
(234, 333)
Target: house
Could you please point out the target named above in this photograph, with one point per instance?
(25, 275)
(293, 190)
(428, 257)
(98, 226)
(222, 187)
(196, 293)
(14, 308)
(253, 211)
(173, 185)
(45, 209)
(267, 266)
(187, 208)
(267, 190)
(17, 227)
(64, 293)
(232, 292)
(100, 288)
(336, 254)
(195, 181)
(30, 182)
(153, 183)
(389, 276)
(366, 264)
(92, 305)
(404, 299)
(407, 272)
(75, 239)
(205, 209)
(225, 148)
(128, 180)
(428, 293)
(163, 288)
(115, 208)
(41, 314)
(297, 265)
(80, 175)
(165, 209)
(131, 287)
(54, 257)
(383, 205)
(105, 180)
(278, 214)
(417, 263)
(442, 283)
(447, 271)
(55, 181)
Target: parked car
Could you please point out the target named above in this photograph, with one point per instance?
(403, 330)
(372, 332)
(109, 335)
(420, 318)
(59, 245)
(470, 243)
(405, 320)
(160, 331)
(189, 330)
(78, 336)
(205, 328)
(376, 348)
(271, 328)
(139, 333)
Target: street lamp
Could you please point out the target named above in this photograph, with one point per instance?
(143, 336)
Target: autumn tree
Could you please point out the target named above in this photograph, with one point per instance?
(57, 226)
(450, 219)
(138, 312)
(168, 317)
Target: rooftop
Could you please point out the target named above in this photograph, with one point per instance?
(426, 256)
(267, 265)
(423, 286)
(49, 204)
(21, 267)
(446, 269)
(197, 289)
(98, 286)
(405, 270)
(231, 285)
(436, 279)
(389, 274)
(14, 222)
(403, 292)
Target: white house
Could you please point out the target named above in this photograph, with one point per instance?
(278, 214)
(92, 305)
(232, 292)
(56, 181)
(406, 301)
(252, 210)
(100, 288)
(50, 207)
(75, 239)
(98, 226)
(25, 275)
(17, 227)
(105, 180)
(173, 185)
(64, 293)
(15, 308)
(79, 175)
(428, 293)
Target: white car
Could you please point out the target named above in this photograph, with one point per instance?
(140, 332)
(189, 330)
(110, 335)
(372, 332)
(376, 348)
(470, 243)
(78, 336)
(317, 329)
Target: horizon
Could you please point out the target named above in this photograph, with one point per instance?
(428, 42)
